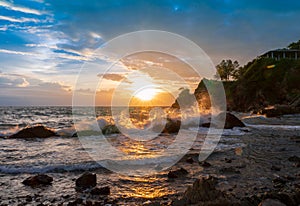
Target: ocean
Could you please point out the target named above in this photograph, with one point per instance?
(65, 157)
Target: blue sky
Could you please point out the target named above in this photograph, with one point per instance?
(43, 43)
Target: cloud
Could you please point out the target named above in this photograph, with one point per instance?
(115, 77)
(17, 52)
(12, 7)
(19, 20)
(32, 91)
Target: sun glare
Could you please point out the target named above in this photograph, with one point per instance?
(146, 94)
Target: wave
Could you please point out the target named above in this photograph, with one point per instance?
(17, 169)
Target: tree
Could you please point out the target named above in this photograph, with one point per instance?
(294, 45)
(227, 69)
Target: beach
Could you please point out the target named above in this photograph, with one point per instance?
(249, 164)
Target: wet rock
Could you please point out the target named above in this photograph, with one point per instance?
(100, 191)
(172, 126)
(177, 173)
(110, 129)
(208, 125)
(230, 170)
(231, 121)
(204, 164)
(271, 202)
(38, 180)
(294, 159)
(87, 180)
(34, 132)
(190, 160)
(28, 198)
(279, 182)
(275, 168)
(203, 190)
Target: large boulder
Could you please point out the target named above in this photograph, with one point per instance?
(38, 180)
(34, 132)
(231, 121)
(86, 180)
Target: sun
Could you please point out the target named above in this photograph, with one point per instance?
(146, 94)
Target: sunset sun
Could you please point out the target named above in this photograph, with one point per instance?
(146, 94)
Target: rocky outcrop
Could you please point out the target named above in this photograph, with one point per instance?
(38, 180)
(34, 132)
(231, 121)
(86, 180)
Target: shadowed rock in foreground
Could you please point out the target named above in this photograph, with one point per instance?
(34, 132)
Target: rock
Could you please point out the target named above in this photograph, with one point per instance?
(228, 160)
(208, 125)
(190, 160)
(100, 191)
(230, 170)
(87, 180)
(204, 164)
(271, 202)
(275, 168)
(38, 180)
(231, 121)
(203, 190)
(34, 132)
(279, 182)
(278, 110)
(172, 126)
(110, 129)
(294, 159)
(177, 173)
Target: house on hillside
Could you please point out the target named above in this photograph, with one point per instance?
(282, 54)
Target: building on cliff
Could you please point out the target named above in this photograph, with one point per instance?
(282, 54)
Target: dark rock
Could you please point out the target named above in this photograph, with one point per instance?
(28, 198)
(203, 190)
(204, 164)
(230, 170)
(190, 160)
(279, 182)
(110, 129)
(38, 180)
(275, 168)
(34, 132)
(172, 126)
(271, 202)
(177, 173)
(87, 180)
(278, 110)
(228, 160)
(100, 191)
(231, 121)
(294, 159)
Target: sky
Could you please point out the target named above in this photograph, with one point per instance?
(44, 43)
